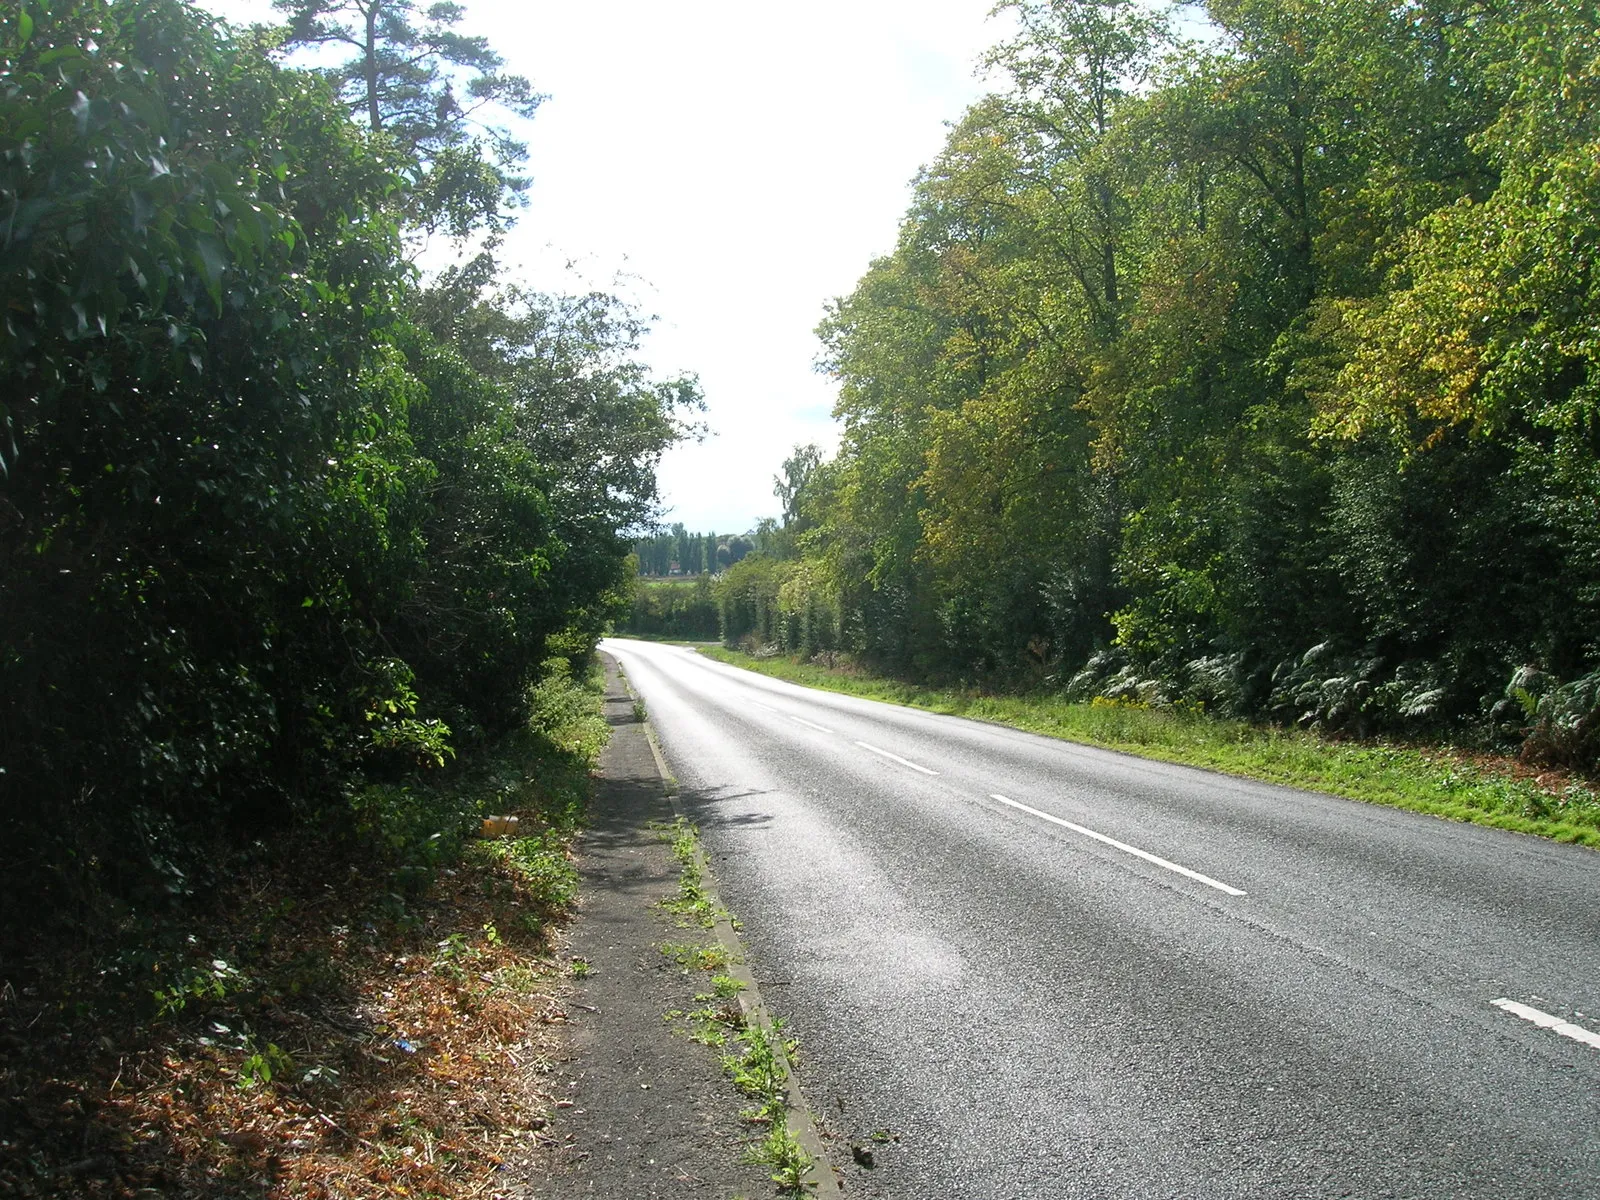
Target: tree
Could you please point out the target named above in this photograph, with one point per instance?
(790, 486)
(414, 78)
(273, 519)
(1072, 67)
(210, 444)
(1266, 379)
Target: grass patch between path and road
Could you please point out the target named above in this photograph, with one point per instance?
(368, 1010)
(755, 1054)
(1440, 781)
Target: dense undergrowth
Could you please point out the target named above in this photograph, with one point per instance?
(672, 608)
(362, 1010)
(1459, 784)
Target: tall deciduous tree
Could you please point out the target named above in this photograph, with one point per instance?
(1072, 67)
(1266, 378)
(790, 486)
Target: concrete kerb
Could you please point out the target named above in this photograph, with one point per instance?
(821, 1178)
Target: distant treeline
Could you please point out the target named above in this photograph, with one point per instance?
(679, 552)
(1259, 374)
(760, 601)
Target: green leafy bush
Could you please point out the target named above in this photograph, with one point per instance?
(278, 525)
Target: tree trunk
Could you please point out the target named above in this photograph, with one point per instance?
(374, 117)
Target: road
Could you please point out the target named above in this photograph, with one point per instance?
(1037, 969)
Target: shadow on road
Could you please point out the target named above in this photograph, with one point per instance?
(706, 807)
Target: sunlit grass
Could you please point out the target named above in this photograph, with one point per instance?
(1435, 781)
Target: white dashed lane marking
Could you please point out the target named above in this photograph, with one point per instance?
(1123, 846)
(904, 762)
(1554, 1024)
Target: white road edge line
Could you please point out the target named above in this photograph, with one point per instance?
(904, 762)
(1123, 846)
(809, 725)
(1545, 1021)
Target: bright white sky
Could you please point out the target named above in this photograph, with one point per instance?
(729, 167)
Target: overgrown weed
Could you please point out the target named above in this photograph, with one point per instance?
(759, 1067)
(693, 956)
(756, 1057)
(693, 904)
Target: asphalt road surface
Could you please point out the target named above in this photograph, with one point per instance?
(1024, 968)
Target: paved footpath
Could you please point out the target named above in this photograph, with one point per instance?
(651, 1113)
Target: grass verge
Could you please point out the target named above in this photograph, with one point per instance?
(1440, 781)
(364, 1012)
(755, 1054)
(693, 904)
